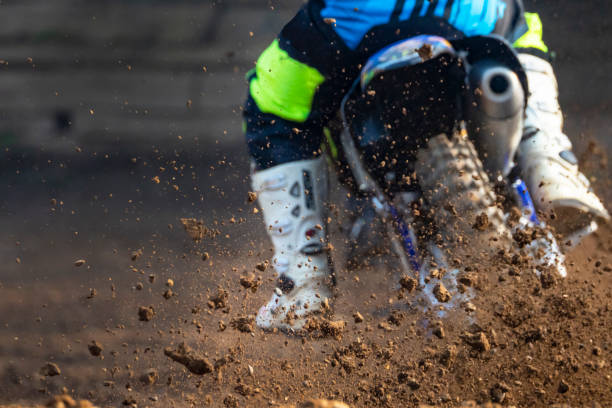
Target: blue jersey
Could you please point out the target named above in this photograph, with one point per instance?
(353, 19)
(299, 81)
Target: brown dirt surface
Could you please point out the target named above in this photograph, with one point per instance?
(523, 340)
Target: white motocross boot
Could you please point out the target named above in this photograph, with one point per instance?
(545, 156)
(292, 197)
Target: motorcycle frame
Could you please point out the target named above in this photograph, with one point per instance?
(403, 237)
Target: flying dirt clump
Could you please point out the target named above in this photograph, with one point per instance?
(95, 348)
(478, 341)
(408, 283)
(50, 370)
(136, 254)
(448, 356)
(441, 293)
(149, 377)
(197, 230)
(425, 52)
(482, 222)
(250, 281)
(245, 324)
(80, 262)
(145, 313)
(318, 326)
(218, 300)
(188, 357)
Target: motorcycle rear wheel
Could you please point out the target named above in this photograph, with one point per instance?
(460, 197)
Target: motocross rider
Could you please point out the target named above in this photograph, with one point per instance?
(297, 86)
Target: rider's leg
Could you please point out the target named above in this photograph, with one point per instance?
(292, 197)
(292, 92)
(545, 156)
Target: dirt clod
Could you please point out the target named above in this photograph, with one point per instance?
(250, 281)
(482, 222)
(563, 387)
(219, 299)
(245, 324)
(145, 313)
(447, 357)
(408, 283)
(441, 293)
(197, 230)
(149, 377)
(396, 317)
(439, 332)
(136, 254)
(50, 370)
(358, 317)
(478, 341)
(168, 293)
(95, 348)
(425, 52)
(190, 359)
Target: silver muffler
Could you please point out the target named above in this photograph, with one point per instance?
(495, 110)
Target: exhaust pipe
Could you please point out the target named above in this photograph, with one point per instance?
(495, 110)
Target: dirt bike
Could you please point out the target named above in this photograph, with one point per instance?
(429, 132)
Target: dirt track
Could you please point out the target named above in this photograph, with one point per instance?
(546, 345)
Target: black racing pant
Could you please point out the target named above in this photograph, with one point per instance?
(301, 78)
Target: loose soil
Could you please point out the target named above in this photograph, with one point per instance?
(105, 298)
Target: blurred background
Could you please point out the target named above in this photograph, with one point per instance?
(119, 117)
(126, 75)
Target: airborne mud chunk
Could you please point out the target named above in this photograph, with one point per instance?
(136, 254)
(469, 279)
(250, 281)
(425, 52)
(396, 317)
(245, 324)
(95, 348)
(149, 377)
(447, 357)
(50, 370)
(197, 230)
(80, 262)
(194, 228)
(186, 356)
(145, 313)
(332, 328)
(325, 328)
(482, 222)
(441, 293)
(219, 299)
(478, 341)
(408, 283)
